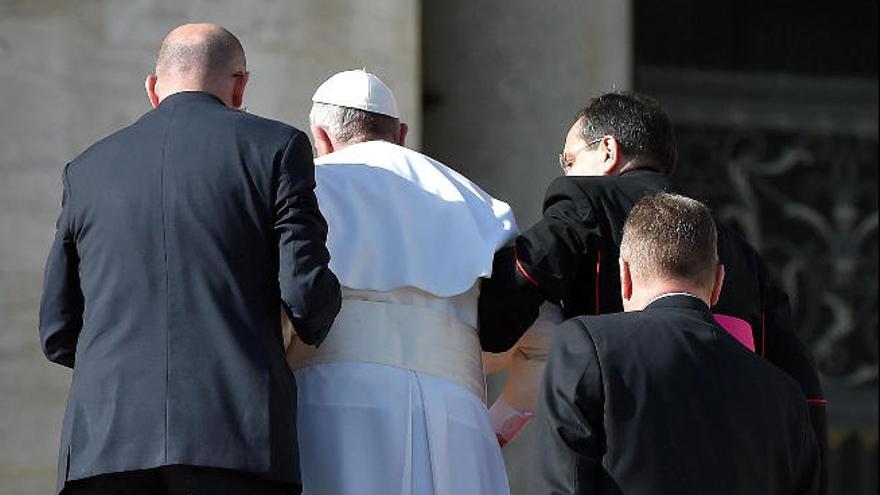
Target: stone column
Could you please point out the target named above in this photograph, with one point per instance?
(503, 81)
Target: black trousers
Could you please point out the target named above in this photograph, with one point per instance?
(179, 480)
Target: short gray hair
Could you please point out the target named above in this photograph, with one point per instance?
(670, 236)
(347, 124)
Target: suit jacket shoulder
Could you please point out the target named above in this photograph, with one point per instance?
(632, 185)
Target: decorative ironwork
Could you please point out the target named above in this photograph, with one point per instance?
(808, 202)
(791, 163)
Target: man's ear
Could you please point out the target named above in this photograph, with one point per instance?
(716, 286)
(626, 283)
(404, 129)
(611, 155)
(323, 143)
(238, 90)
(150, 86)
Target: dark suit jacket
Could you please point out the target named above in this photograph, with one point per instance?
(179, 239)
(665, 401)
(570, 256)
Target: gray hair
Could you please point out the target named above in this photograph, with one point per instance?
(346, 124)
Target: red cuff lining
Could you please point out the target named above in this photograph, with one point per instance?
(522, 270)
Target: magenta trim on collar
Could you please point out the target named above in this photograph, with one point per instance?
(738, 328)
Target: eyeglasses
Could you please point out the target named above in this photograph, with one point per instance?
(566, 159)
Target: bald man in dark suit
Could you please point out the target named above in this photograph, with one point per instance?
(179, 238)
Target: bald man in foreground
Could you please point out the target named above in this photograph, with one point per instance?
(178, 239)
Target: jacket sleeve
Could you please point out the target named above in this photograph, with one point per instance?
(541, 265)
(62, 304)
(310, 292)
(782, 347)
(570, 417)
(553, 250)
(508, 303)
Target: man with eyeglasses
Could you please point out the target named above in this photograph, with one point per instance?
(621, 148)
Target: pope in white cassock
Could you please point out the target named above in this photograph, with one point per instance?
(393, 400)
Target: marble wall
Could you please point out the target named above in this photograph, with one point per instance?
(72, 71)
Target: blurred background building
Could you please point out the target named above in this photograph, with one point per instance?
(775, 104)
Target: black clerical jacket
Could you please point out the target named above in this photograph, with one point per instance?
(665, 401)
(180, 239)
(570, 257)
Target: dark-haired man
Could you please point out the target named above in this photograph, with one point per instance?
(178, 239)
(662, 399)
(620, 148)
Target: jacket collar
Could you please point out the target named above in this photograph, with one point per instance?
(679, 300)
(642, 172)
(646, 175)
(185, 97)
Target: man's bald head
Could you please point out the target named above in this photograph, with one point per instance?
(200, 51)
(200, 57)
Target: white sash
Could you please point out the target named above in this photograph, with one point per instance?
(409, 337)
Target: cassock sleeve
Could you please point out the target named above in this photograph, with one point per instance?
(508, 304)
(62, 304)
(568, 427)
(782, 347)
(310, 292)
(541, 265)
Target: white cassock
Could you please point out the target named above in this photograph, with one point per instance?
(393, 402)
